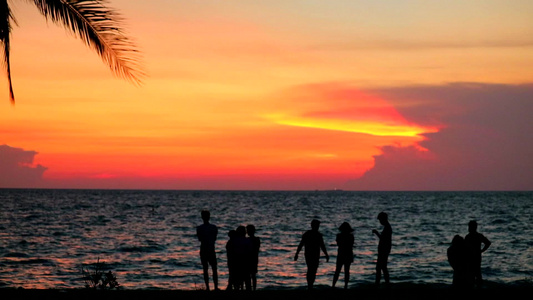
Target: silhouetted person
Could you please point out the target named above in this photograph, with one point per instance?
(230, 251)
(243, 251)
(384, 247)
(473, 241)
(207, 234)
(313, 242)
(254, 257)
(458, 259)
(345, 241)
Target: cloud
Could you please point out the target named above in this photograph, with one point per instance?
(340, 107)
(486, 143)
(17, 169)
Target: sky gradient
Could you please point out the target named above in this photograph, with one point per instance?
(278, 95)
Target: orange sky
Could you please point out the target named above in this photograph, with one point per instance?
(249, 94)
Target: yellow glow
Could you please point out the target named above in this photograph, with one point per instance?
(366, 127)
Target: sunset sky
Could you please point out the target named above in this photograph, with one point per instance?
(278, 95)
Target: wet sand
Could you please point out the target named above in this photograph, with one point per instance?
(400, 291)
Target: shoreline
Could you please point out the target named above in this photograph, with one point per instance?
(393, 291)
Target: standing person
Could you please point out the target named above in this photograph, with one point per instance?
(345, 241)
(457, 257)
(313, 242)
(473, 241)
(207, 235)
(384, 247)
(243, 250)
(254, 258)
(230, 252)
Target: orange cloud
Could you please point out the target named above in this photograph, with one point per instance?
(343, 108)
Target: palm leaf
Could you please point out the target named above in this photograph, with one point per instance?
(99, 27)
(5, 30)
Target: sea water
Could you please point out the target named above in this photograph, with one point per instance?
(148, 238)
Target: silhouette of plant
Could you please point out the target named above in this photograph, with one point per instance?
(97, 278)
(90, 20)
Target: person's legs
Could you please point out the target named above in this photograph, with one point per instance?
(385, 272)
(477, 272)
(381, 266)
(254, 281)
(378, 269)
(247, 281)
(346, 275)
(230, 281)
(213, 263)
(215, 276)
(378, 273)
(312, 267)
(384, 267)
(336, 275)
(205, 267)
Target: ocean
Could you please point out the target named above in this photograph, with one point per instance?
(148, 238)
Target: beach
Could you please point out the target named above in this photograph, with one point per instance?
(398, 291)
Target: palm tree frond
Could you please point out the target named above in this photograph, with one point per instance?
(99, 27)
(5, 31)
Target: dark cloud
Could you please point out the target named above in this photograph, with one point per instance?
(17, 169)
(485, 143)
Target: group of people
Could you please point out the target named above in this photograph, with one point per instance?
(242, 254)
(464, 255)
(313, 242)
(243, 257)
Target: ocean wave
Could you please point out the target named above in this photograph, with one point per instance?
(149, 239)
(15, 254)
(31, 261)
(142, 249)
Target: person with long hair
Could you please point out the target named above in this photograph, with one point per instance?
(345, 242)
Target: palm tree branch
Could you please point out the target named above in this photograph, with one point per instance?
(99, 27)
(5, 31)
